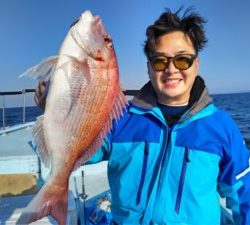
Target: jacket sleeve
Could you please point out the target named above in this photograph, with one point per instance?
(234, 176)
(102, 153)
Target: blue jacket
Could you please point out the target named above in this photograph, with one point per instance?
(175, 175)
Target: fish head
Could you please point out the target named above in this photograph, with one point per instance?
(92, 37)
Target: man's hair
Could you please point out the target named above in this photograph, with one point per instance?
(191, 24)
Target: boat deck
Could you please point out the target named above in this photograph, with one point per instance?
(16, 138)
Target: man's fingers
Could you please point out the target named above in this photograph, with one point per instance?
(41, 93)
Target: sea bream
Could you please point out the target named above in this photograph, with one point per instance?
(84, 98)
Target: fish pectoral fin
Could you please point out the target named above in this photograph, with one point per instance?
(41, 148)
(50, 200)
(43, 70)
(119, 105)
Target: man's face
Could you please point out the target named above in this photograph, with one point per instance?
(173, 86)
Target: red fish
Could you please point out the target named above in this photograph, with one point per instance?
(83, 99)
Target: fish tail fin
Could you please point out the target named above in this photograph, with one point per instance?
(43, 70)
(50, 200)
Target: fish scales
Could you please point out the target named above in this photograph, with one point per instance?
(92, 123)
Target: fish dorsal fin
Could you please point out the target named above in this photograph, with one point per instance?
(41, 149)
(43, 70)
(117, 111)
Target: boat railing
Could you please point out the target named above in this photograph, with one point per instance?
(23, 92)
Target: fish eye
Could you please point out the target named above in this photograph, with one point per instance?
(108, 40)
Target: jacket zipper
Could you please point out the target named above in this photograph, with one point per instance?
(143, 173)
(186, 160)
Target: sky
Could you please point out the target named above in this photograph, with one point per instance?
(31, 30)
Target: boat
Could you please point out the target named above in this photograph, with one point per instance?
(22, 174)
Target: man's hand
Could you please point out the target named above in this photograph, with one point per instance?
(41, 93)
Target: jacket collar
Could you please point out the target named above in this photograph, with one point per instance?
(146, 98)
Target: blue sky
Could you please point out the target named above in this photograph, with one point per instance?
(32, 30)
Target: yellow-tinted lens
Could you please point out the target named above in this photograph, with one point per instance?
(183, 62)
(159, 64)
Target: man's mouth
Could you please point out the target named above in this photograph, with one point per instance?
(173, 81)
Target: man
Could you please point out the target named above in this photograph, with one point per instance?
(173, 153)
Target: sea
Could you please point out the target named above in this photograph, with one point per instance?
(237, 105)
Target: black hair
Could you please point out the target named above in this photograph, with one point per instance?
(191, 24)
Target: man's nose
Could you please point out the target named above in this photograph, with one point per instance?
(171, 67)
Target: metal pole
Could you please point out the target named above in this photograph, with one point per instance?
(24, 105)
(3, 108)
(84, 195)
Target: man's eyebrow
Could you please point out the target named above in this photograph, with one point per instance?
(164, 54)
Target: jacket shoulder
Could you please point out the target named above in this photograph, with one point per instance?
(131, 127)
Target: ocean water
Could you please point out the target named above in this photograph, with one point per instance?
(237, 105)
(14, 116)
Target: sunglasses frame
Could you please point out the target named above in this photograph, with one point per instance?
(168, 59)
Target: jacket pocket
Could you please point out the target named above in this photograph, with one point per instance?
(185, 162)
(143, 173)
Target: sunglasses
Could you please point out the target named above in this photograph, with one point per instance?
(181, 62)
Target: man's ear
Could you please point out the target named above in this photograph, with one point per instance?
(197, 61)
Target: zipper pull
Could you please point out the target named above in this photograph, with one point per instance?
(187, 151)
(186, 160)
